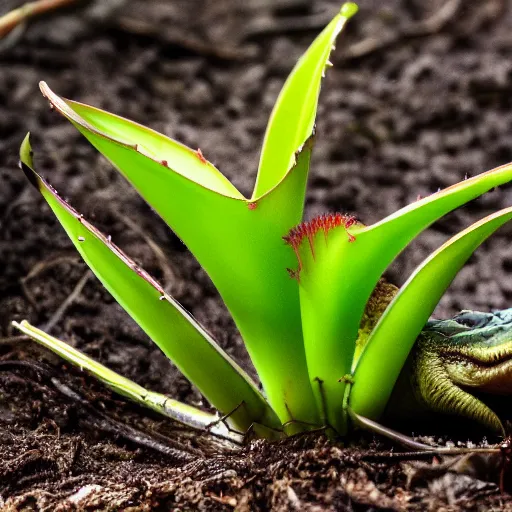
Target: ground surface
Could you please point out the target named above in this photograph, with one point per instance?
(418, 98)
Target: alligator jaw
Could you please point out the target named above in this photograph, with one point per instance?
(459, 367)
(454, 362)
(489, 377)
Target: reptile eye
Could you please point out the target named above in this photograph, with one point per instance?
(474, 319)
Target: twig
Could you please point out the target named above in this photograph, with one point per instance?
(77, 290)
(431, 25)
(42, 266)
(223, 419)
(39, 268)
(268, 25)
(13, 339)
(411, 443)
(144, 29)
(99, 420)
(22, 14)
(427, 453)
(168, 272)
(154, 441)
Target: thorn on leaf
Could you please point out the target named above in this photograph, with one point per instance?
(200, 155)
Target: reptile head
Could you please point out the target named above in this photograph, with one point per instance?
(481, 359)
(459, 366)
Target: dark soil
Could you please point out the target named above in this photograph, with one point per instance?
(416, 107)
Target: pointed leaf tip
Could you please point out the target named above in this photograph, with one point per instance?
(26, 152)
(26, 161)
(148, 151)
(292, 119)
(348, 9)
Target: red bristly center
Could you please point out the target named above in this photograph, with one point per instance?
(310, 228)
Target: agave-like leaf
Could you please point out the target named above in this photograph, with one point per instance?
(293, 117)
(390, 342)
(340, 271)
(224, 384)
(236, 241)
(178, 411)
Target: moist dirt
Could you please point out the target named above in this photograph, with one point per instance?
(419, 96)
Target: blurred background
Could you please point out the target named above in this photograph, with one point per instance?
(418, 98)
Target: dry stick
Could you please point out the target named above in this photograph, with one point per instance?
(421, 28)
(11, 20)
(168, 272)
(102, 421)
(504, 449)
(38, 269)
(195, 45)
(270, 26)
(409, 442)
(155, 441)
(426, 454)
(42, 266)
(77, 290)
(55, 318)
(13, 339)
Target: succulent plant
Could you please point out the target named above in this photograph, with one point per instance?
(325, 334)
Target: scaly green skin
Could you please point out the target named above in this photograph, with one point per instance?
(453, 359)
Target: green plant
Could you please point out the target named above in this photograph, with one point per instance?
(303, 328)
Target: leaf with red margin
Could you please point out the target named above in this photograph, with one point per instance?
(223, 383)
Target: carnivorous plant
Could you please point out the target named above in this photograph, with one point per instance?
(327, 337)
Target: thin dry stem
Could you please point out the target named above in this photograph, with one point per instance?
(16, 17)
